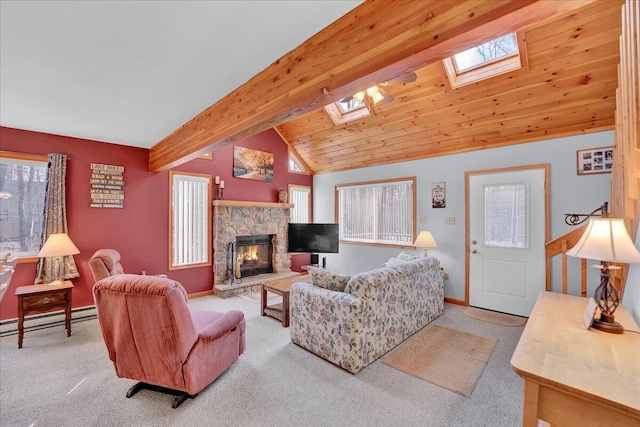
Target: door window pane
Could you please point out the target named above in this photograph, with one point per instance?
(505, 215)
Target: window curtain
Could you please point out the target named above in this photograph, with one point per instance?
(55, 221)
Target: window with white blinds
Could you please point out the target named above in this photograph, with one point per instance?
(190, 219)
(300, 197)
(381, 212)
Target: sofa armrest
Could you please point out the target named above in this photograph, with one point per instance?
(328, 323)
(221, 326)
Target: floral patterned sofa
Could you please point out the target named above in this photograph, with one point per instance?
(377, 310)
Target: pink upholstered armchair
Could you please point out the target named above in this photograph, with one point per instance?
(152, 336)
(105, 263)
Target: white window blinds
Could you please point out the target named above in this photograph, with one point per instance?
(379, 212)
(300, 197)
(190, 220)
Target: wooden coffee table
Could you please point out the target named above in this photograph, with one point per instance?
(280, 287)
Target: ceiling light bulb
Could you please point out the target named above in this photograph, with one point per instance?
(372, 91)
(359, 96)
(377, 97)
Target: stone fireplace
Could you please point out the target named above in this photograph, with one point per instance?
(234, 218)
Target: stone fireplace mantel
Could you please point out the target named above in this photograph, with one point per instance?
(232, 218)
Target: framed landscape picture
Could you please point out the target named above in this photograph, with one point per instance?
(595, 160)
(252, 164)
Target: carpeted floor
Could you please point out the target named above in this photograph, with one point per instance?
(58, 381)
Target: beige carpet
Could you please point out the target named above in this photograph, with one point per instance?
(255, 296)
(445, 357)
(494, 317)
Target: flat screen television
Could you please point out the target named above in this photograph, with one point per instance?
(313, 238)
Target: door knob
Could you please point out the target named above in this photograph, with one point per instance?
(474, 251)
(473, 242)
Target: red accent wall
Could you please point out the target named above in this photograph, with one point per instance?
(140, 230)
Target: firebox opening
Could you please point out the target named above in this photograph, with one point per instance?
(253, 255)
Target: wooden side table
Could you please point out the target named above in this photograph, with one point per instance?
(43, 298)
(573, 376)
(279, 287)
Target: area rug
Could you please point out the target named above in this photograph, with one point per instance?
(254, 296)
(445, 357)
(494, 317)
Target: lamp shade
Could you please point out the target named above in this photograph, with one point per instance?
(425, 240)
(58, 244)
(606, 239)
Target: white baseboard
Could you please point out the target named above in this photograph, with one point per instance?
(46, 320)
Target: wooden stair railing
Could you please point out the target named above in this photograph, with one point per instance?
(560, 246)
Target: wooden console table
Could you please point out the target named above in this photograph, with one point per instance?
(573, 376)
(43, 298)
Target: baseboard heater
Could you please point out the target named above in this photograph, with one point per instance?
(47, 320)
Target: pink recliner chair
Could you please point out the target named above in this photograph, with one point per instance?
(152, 336)
(106, 262)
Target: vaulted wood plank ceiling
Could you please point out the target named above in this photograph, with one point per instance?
(376, 41)
(568, 88)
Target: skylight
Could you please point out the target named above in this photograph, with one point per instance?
(486, 53)
(498, 56)
(347, 110)
(349, 104)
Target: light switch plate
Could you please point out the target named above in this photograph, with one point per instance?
(450, 220)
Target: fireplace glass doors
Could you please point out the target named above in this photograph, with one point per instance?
(253, 255)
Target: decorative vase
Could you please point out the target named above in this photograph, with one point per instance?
(283, 196)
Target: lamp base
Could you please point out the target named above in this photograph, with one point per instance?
(607, 324)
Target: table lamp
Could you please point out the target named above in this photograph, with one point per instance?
(57, 245)
(607, 240)
(425, 240)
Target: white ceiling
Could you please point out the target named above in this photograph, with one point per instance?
(131, 72)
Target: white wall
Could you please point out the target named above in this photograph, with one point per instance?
(570, 193)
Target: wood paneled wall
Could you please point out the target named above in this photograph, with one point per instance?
(625, 191)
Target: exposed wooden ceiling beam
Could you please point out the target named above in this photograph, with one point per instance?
(375, 42)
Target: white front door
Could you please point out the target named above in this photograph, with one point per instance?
(507, 213)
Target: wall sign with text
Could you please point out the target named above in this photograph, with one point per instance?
(107, 184)
(438, 198)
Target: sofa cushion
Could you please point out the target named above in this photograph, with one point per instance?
(328, 279)
(402, 257)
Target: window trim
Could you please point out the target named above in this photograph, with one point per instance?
(339, 117)
(172, 266)
(309, 207)
(300, 163)
(373, 183)
(33, 158)
(487, 70)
